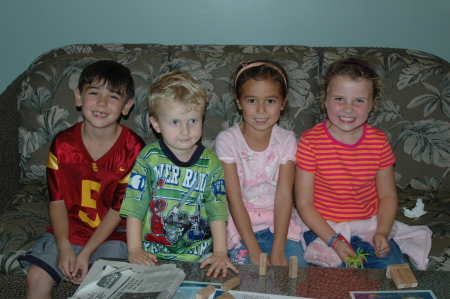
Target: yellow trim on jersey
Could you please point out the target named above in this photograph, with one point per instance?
(52, 161)
(125, 179)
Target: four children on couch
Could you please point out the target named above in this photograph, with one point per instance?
(185, 202)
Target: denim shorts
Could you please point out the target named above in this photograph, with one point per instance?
(239, 254)
(395, 255)
(44, 254)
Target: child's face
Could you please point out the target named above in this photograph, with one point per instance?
(261, 103)
(348, 103)
(181, 128)
(101, 108)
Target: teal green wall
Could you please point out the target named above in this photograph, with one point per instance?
(30, 28)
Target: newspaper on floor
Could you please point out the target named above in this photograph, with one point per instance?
(113, 279)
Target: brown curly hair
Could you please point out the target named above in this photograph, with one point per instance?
(355, 69)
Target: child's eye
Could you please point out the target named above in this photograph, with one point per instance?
(93, 93)
(251, 101)
(270, 101)
(192, 121)
(338, 99)
(360, 101)
(174, 122)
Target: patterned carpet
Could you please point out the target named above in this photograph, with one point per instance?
(13, 287)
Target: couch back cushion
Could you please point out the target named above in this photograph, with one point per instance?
(414, 112)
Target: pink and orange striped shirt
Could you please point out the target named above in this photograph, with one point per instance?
(344, 183)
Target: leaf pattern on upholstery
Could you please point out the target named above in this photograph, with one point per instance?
(427, 141)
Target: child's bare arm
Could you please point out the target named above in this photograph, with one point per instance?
(304, 200)
(282, 212)
(101, 233)
(239, 212)
(60, 228)
(387, 210)
(219, 260)
(137, 255)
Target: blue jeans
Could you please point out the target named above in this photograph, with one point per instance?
(395, 256)
(239, 253)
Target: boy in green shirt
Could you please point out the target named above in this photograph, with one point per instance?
(175, 202)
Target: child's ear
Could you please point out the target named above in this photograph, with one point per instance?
(323, 102)
(237, 102)
(283, 104)
(77, 94)
(127, 107)
(155, 124)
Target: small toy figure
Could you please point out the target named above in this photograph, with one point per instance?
(357, 261)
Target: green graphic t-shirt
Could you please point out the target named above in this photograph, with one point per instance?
(176, 201)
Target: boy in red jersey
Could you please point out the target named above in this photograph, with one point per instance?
(87, 173)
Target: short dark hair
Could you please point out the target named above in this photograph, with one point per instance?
(115, 75)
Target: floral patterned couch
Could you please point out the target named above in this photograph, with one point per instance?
(415, 114)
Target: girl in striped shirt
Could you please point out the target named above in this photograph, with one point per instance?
(345, 174)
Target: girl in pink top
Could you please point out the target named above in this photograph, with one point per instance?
(258, 159)
(345, 174)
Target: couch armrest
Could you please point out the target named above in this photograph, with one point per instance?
(9, 142)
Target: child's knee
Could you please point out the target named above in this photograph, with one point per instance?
(38, 278)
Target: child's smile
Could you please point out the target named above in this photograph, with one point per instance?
(261, 121)
(99, 114)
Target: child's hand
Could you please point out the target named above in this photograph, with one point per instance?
(278, 259)
(255, 255)
(218, 262)
(141, 257)
(81, 268)
(66, 260)
(343, 250)
(381, 246)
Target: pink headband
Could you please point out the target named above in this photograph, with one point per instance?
(248, 66)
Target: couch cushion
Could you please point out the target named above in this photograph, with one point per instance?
(9, 122)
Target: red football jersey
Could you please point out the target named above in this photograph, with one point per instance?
(90, 188)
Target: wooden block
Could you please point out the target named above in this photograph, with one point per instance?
(293, 266)
(405, 278)
(397, 266)
(263, 264)
(230, 284)
(225, 296)
(205, 292)
(412, 278)
(402, 276)
(399, 283)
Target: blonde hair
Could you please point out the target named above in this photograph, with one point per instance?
(176, 87)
